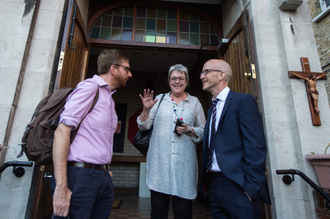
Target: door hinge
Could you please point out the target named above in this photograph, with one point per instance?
(254, 74)
(60, 62)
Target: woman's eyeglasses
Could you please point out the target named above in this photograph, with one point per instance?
(174, 79)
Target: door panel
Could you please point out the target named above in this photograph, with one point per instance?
(76, 53)
(238, 55)
(74, 68)
(237, 58)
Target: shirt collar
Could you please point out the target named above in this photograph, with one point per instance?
(188, 98)
(223, 94)
(102, 83)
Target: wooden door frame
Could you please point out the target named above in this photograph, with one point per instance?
(250, 46)
(66, 46)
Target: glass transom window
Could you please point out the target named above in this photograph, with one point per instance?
(154, 25)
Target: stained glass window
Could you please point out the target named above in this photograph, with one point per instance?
(194, 30)
(154, 25)
(114, 25)
(160, 25)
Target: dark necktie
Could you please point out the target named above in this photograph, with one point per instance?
(212, 139)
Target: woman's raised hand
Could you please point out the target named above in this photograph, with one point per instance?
(148, 99)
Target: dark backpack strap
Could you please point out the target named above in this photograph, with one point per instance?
(74, 132)
(159, 104)
(96, 98)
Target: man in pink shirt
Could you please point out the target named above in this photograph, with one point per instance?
(82, 186)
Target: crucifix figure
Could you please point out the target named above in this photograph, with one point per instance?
(310, 82)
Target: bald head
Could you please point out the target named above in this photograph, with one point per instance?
(215, 76)
(221, 65)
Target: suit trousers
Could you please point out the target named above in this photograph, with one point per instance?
(92, 193)
(228, 200)
(160, 203)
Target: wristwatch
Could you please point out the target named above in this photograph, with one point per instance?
(189, 131)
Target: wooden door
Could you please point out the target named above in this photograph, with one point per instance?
(74, 52)
(239, 54)
(72, 69)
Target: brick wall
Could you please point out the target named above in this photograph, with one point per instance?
(322, 38)
(125, 175)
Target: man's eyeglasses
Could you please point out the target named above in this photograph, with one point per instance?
(127, 69)
(206, 71)
(174, 79)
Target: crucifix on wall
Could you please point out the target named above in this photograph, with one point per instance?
(310, 83)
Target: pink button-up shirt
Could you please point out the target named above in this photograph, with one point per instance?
(94, 140)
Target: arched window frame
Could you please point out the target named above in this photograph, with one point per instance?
(217, 28)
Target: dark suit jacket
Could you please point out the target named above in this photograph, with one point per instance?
(240, 145)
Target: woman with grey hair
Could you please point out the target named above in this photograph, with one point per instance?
(172, 167)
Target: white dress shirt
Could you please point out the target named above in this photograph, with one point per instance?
(222, 96)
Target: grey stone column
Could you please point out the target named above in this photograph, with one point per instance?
(28, 39)
(281, 38)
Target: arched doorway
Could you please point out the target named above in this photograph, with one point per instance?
(156, 35)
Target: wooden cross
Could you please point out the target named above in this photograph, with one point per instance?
(305, 74)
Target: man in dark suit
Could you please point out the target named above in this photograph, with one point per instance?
(234, 151)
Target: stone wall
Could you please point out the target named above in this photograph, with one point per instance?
(283, 103)
(16, 21)
(28, 41)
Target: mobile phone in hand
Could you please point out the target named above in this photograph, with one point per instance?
(179, 122)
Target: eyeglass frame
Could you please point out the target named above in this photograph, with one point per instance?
(178, 79)
(206, 71)
(127, 69)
